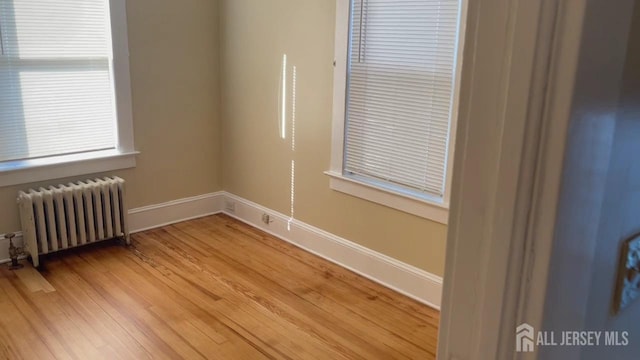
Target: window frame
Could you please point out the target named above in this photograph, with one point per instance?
(124, 156)
(429, 207)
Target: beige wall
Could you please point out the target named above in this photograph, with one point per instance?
(174, 78)
(256, 162)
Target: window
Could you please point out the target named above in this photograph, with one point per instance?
(60, 66)
(395, 101)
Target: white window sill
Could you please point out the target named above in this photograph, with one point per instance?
(28, 171)
(432, 210)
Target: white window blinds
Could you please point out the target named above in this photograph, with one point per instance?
(56, 84)
(400, 92)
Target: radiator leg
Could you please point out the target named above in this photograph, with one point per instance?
(35, 261)
(124, 239)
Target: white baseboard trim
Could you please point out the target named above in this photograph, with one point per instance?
(155, 216)
(403, 278)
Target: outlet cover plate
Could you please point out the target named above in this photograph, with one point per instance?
(628, 287)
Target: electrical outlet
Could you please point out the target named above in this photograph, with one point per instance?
(230, 206)
(628, 274)
(266, 218)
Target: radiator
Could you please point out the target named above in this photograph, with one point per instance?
(67, 216)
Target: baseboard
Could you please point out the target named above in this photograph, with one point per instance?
(403, 278)
(155, 216)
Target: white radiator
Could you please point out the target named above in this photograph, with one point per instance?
(68, 216)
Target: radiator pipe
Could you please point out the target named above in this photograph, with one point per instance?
(14, 252)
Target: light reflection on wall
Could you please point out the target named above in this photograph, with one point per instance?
(283, 99)
(282, 125)
(293, 145)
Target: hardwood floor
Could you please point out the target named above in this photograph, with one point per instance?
(209, 288)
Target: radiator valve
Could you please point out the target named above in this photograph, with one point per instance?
(14, 252)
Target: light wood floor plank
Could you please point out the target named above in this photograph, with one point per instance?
(261, 322)
(373, 290)
(332, 295)
(211, 288)
(330, 316)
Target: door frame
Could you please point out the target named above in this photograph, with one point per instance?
(519, 68)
